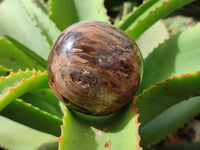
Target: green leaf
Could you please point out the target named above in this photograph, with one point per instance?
(33, 117)
(165, 94)
(158, 98)
(149, 13)
(117, 131)
(16, 84)
(130, 18)
(67, 12)
(42, 6)
(14, 136)
(45, 100)
(13, 58)
(4, 71)
(178, 55)
(160, 34)
(21, 27)
(28, 52)
(49, 146)
(169, 121)
(42, 21)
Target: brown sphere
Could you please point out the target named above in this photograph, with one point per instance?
(94, 68)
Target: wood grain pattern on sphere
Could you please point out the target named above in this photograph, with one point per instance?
(94, 68)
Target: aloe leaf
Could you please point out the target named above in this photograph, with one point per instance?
(4, 71)
(15, 136)
(45, 100)
(117, 131)
(130, 18)
(67, 12)
(154, 101)
(33, 117)
(165, 94)
(43, 22)
(169, 121)
(49, 146)
(12, 58)
(160, 34)
(149, 13)
(178, 55)
(16, 84)
(21, 27)
(28, 52)
(42, 6)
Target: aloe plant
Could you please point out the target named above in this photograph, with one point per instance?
(31, 117)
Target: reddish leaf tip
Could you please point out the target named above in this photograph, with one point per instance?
(35, 73)
(11, 73)
(11, 89)
(158, 83)
(135, 110)
(150, 11)
(60, 139)
(23, 80)
(166, 3)
(61, 126)
(186, 74)
(138, 135)
(20, 70)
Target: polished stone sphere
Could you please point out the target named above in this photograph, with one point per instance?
(94, 67)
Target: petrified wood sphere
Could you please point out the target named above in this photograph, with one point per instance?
(94, 68)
